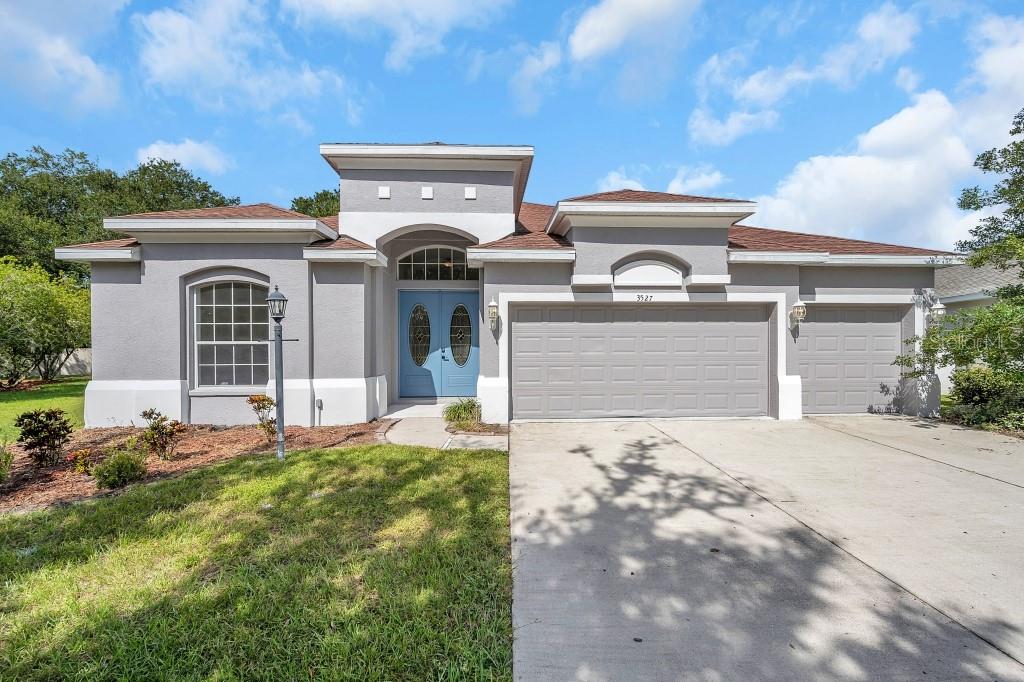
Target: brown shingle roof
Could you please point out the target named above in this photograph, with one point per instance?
(108, 244)
(530, 234)
(641, 195)
(249, 211)
(765, 239)
(342, 242)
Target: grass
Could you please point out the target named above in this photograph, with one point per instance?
(368, 563)
(67, 394)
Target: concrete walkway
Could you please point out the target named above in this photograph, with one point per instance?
(420, 423)
(761, 550)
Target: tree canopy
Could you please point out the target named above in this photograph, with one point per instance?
(49, 200)
(324, 203)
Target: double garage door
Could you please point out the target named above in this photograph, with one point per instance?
(643, 360)
(689, 360)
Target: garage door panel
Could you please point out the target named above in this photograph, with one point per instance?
(642, 361)
(845, 357)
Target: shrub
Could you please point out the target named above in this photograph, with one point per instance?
(466, 410)
(6, 460)
(121, 466)
(81, 460)
(1012, 421)
(262, 405)
(162, 434)
(44, 433)
(983, 395)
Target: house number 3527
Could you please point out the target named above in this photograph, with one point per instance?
(644, 298)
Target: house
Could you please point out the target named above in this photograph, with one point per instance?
(961, 287)
(438, 279)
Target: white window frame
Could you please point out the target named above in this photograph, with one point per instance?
(197, 342)
(398, 264)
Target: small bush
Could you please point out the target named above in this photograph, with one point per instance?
(81, 460)
(263, 405)
(1012, 421)
(466, 410)
(982, 395)
(44, 433)
(120, 467)
(6, 461)
(162, 434)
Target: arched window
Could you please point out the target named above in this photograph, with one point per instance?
(436, 263)
(231, 334)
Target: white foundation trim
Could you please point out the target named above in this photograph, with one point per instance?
(790, 401)
(298, 401)
(121, 402)
(350, 400)
(121, 254)
(492, 392)
(369, 226)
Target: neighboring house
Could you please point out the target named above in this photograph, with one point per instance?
(437, 279)
(961, 287)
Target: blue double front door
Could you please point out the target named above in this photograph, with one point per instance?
(439, 343)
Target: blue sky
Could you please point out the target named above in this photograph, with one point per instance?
(856, 119)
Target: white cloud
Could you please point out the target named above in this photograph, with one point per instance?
(900, 182)
(704, 128)
(881, 36)
(417, 28)
(534, 76)
(199, 156)
(43, 51)
(692, 180)
(618, 179)
(223, 53)
(609, 24)
(907, 79)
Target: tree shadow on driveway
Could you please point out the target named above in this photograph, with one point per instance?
(635, 559)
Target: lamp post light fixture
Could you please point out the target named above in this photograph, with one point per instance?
(798, 313)
(492, 314)
(276, 304)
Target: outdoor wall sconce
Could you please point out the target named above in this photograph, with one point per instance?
(492, 314)
(938, 311)
(798, 313)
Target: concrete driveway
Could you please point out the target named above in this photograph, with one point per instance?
(854, 548)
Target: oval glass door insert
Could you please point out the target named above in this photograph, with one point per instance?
(419, 334)
(460, 335)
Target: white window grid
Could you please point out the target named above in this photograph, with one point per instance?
(231, 335)
(436, 264)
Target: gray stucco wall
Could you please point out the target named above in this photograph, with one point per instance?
(598, 249)
(142, 313)
(494, 191)
(342, 320)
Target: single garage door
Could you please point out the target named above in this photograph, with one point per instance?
(846, 355)
(643, 360)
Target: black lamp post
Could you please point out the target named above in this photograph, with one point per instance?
(276, 304)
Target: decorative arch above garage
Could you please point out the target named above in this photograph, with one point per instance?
(649, 270)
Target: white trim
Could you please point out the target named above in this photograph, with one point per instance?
(591, 280)
(370, 226)
(967, 298)
(826, 258)
(483, 255)
(121, 402)
(349, 401)
(371, 257)
(709, 279)
(253, 226)
(658, 274)
(425, 151)
(864, 299)
(789, 398)
(120, 254)
(718, 211)
(298, 400)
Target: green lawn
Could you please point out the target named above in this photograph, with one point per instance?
(67, 394)
(368, 563)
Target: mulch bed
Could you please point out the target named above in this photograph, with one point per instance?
(477, 429)
(31, 487)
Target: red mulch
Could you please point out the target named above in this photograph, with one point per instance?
(30, 487)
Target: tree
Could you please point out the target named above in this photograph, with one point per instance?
(324, 203)
(992, 335)
(42, 321)
(49, 200)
